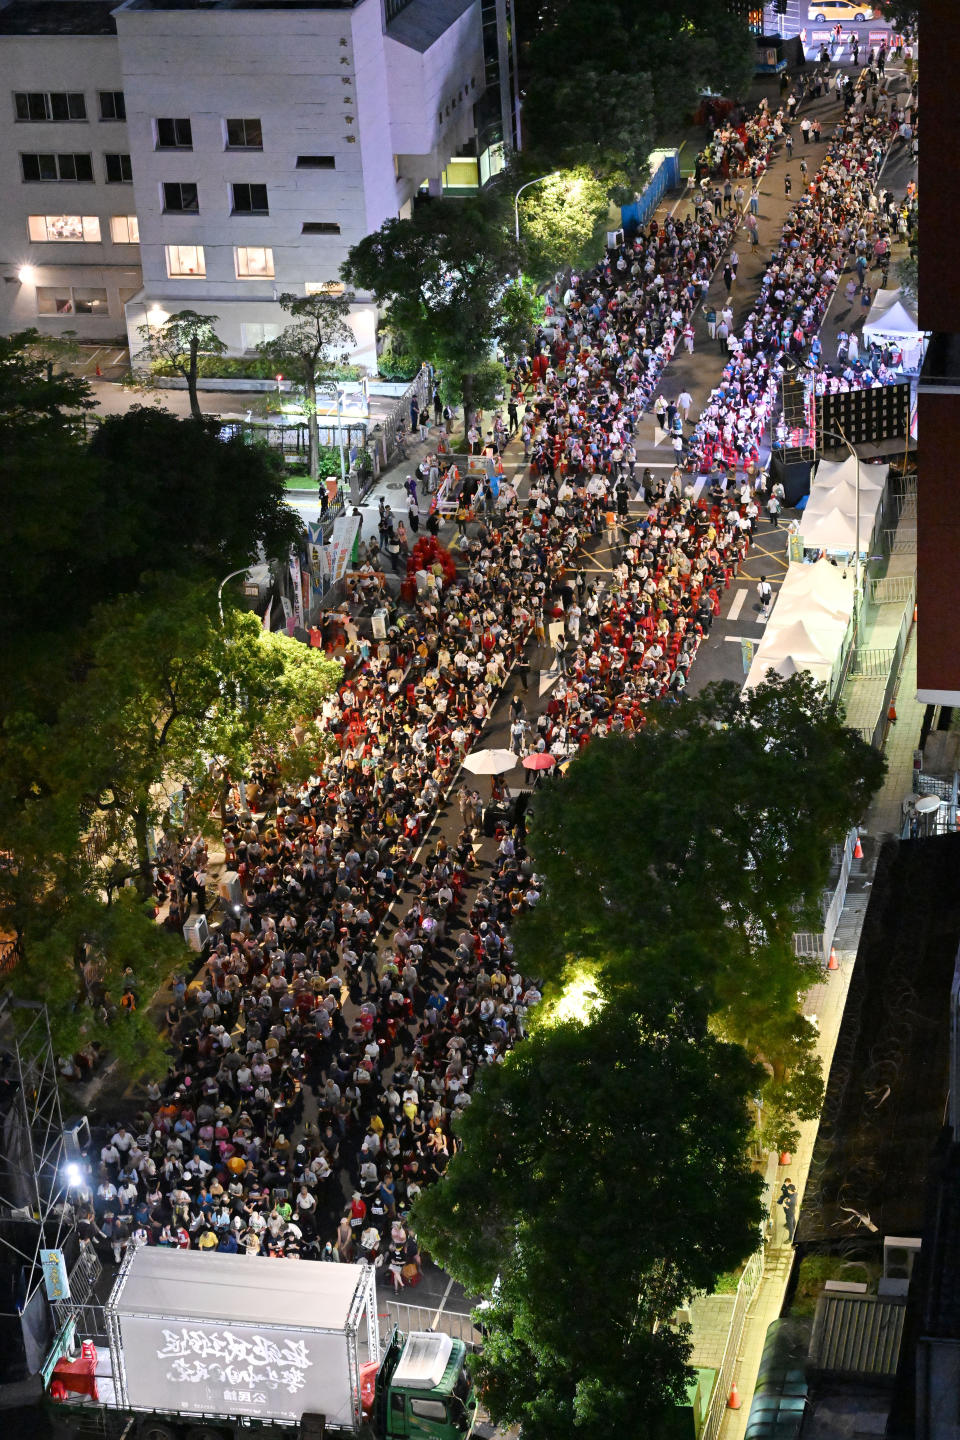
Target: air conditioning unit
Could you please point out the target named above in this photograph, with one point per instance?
(899, 1256)
(196, 932)
(229, 888)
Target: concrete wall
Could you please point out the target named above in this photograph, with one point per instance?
(85, 63)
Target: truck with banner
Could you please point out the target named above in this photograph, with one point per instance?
(216, 1347)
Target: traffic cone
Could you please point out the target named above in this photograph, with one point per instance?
(785, 1157)
(858, 850)
(892, 713)
(833, 963)
(733, 1399)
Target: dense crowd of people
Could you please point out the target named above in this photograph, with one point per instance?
(318, 1067)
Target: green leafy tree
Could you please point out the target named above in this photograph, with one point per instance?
(602, 1179)
(605, 113)
(442, 276)
(904, 14)
(310, 349)
(563, 221)
(37, 404)
(179, 342)
(726, 809)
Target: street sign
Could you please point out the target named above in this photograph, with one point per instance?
(55, 1277)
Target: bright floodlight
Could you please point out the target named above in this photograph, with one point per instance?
(25, 274)
(74, 1174)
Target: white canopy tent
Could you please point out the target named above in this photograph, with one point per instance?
(830, 516)
(810, 625)
(891, 320)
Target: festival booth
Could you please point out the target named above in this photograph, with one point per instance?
(892, 322)
(811, 626)
(829, 524)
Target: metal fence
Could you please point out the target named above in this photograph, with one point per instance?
(749, 1284)
(406, 1317)
(873, 664)
(900, 541)
(815, 945)
(893, 590)
(384, 439)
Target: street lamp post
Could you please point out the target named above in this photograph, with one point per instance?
(232, 576)
(516, 199)
(332, 388)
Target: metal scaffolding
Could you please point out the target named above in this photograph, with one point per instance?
(31, 1168)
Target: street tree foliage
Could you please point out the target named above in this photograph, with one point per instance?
(179, 342)
(726, 809)
(86, 519)
(639, 68)
(309, 351)
(904, 14)
(602, 1179)
(563, 220)
(35, 401)
(161, 694)
(442, 276)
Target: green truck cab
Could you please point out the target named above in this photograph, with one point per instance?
(422, 1389)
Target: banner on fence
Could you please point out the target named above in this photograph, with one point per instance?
(345, 531)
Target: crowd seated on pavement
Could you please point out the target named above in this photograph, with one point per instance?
(317, 1068)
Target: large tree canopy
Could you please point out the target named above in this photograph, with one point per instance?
(602, 1180)
(442, 276)
(606, 79)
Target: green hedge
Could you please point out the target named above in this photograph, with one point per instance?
(328, 465)
(398, 365)
(242, 367)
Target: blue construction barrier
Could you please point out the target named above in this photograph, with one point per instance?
(664, 176)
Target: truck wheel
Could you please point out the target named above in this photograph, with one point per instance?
(156, 1430)
(204, 1432)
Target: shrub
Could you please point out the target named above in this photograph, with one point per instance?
(243, 367)
(398, 365)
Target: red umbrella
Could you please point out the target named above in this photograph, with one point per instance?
(539, 760)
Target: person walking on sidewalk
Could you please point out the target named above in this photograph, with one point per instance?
(755, 203)
(688, 337)
(765, 592)
(710, 311)
(773, 510)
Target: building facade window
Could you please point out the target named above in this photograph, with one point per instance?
(124, 229)
(320, 227)
(244, 135)
(253, 262)
(255, 332)
(174, 134)
(316, 162)
(49, 105)
(113, 106)
(44, 166)
(180, 197)
(183, 260)
(118, 169)
(68, 228)
(71, 300)
(324, 287)
(249, 199)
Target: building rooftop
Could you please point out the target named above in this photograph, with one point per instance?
(58, 17)
(162, 5)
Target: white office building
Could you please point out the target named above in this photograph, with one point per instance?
(158, 156)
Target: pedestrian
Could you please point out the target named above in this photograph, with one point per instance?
(611, 531)
(414, 413)
(722, 331)
(755, 203)
(512, 414)
(437, 405)
(710, 311)
(787, 183)
(424, 423)
(806, 126)
(734, 264)
(688, 336)
(789, 144)
(660, 410)
(413, 518)
(788, 1199)
(773, 510)
(728, 276)
(684, 402)
(739, 197)
(765, 592)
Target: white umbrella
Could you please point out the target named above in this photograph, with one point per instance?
(489, 762)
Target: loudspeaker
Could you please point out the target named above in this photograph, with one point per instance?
(793, 475)
(865, 416)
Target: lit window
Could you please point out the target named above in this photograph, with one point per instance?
(183, 260)
(254, 262)
(324, 287)
(124, 229)
(64, 227)
(62, 300)
(244, 135)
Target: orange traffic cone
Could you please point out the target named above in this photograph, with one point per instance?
(892, 713)
(858, 850)
(733, 1400)
(785, 1157)
(833, 963)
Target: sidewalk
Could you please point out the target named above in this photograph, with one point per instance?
(826, 1002)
